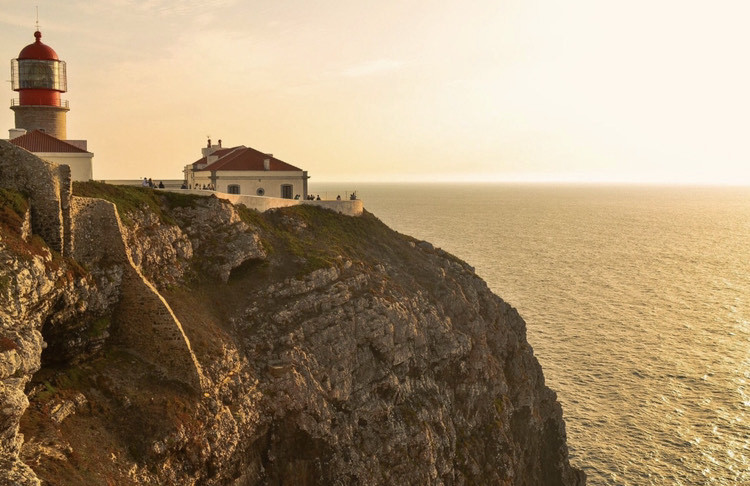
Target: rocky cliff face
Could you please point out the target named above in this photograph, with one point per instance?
(335, 351)
(34, 283)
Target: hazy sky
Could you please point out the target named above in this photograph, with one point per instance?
(655, 90)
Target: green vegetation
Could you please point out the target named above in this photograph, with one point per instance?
(98, 327)
(13, 207)
(297, 239)
(179, 200)
(499, 408)
(319, 237)
(14, 200)
(127, 199)
(73, 378)
(252, 217)
(75, 270)
(46, 395)
(311, 237)
(499, 405)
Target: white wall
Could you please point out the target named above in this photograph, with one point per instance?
(347, 207)
(251, 181)
(81, 164)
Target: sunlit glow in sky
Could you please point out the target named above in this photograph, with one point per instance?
(544, 90)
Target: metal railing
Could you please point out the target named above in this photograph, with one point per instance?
(59, 104)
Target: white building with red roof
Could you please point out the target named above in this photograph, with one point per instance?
(72, 153)
(39, 77)
(243, 170)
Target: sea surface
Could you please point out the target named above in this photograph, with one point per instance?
(637, 304)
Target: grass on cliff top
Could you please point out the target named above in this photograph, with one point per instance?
(319, 237)
(129, 199)
(325, 237)
(13, 207)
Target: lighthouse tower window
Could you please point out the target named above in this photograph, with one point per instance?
(233, 189)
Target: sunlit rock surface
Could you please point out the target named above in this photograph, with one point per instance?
(332, 351)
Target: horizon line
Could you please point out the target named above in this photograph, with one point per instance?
(540, 182)
(499, 181)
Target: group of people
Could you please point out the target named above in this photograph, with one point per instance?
(147, 182)
(311, 197)
(204, 187)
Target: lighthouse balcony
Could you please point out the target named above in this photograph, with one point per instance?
(54, 103)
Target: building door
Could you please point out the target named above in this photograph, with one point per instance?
(286, 191)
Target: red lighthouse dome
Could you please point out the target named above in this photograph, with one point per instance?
(38, 50)
(39, 76)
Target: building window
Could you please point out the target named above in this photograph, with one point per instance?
(286, 191)
(260, 191)
(233, 189)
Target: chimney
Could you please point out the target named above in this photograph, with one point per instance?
(209, 149)
(266, 164)
(16, 132)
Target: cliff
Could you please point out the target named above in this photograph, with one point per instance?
(184, 340)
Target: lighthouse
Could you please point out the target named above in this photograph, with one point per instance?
(39, 77)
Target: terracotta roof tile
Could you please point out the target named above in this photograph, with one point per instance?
(39, 142)
(220, 153)
(244, 158)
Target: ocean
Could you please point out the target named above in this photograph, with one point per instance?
(637, 304)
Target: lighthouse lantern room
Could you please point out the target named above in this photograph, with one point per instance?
(39, 77)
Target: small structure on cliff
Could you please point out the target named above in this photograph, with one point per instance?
(58, 151)
(244, 170)
(39, 76)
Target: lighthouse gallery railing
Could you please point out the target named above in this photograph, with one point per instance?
(59, 104)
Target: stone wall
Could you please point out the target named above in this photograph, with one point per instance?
(48, 187)
(49, 119)
(348, 207)
(143, 319)
(262, 203)
(66, 195)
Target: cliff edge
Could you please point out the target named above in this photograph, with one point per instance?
(330, 350)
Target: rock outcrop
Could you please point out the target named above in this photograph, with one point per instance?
(31, 281)
(332, 351)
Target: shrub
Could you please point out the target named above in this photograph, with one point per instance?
(13, 207)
